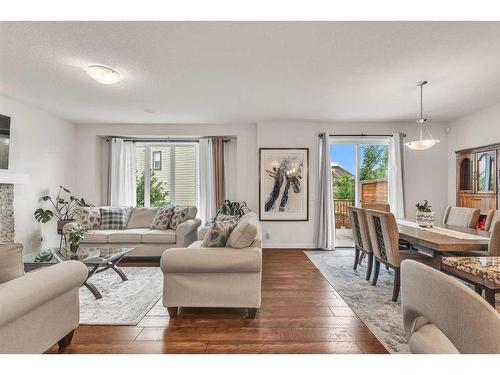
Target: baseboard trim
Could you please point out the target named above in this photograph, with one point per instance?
(308, 246)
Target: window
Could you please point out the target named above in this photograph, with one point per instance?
(157, 160)
(171, 176)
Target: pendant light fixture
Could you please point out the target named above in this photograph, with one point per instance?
(425, 139)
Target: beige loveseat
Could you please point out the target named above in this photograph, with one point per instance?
(198, 276)
(147, 242)
(40, 308)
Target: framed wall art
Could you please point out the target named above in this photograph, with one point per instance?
(284, 184)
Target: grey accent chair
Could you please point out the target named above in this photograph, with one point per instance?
(40, 308)
(443, 316)
(491, 218)
(384, 236)
(461, 216)
(362, 243)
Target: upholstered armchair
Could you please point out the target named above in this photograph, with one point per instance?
(40, 308)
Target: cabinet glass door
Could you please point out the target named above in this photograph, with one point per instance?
(465, 169)
(485, 173)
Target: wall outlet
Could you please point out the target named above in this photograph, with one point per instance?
(43, 238)
(267, 236)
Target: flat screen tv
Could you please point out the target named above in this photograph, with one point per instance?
(4, 141)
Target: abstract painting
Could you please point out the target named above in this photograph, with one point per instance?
(284, 184)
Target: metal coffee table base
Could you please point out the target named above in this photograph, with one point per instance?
(100, 268)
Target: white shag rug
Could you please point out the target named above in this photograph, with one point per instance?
(122, 302)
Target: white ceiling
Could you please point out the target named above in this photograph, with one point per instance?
(237, 72)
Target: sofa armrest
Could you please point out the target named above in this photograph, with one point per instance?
(202, 231)
(185, 234)
(11, 261)
(26, 293)
(69, 226)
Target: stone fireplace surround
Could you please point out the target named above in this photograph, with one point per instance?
(6, 212)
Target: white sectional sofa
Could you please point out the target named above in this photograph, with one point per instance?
(148, 243)
(197, 276)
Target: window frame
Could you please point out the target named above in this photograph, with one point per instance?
(148, 161)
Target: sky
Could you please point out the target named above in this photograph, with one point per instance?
(345, 155)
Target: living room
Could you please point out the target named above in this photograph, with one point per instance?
(188, 187)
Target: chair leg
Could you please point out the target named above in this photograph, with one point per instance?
(369, 266)
(397, 284)
(252, 313)
(356, 258)
(172, 312)
(66, 340)
(375, 272)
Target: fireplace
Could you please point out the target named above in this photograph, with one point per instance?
(6, 212)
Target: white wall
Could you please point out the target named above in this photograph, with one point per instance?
(476, 129)
(426, 174)
(42, 146)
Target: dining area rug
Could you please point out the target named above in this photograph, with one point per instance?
(122, 302)
(372, 304)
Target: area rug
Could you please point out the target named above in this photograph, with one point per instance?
(122, 302)
(372, 304)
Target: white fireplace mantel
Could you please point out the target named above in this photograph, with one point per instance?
(7, 177)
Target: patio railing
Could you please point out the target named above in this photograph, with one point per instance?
(342, 219)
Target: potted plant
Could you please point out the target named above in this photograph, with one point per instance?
(228, 208)
(75, 235)
(425, 217)
(64, 207)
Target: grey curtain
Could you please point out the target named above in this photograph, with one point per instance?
(218, 165)
(326, 219)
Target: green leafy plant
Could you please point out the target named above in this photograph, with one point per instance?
(344, 187)
(75, 235)
(232, 208)
(64, 206)
(158, 195)
(423, 207)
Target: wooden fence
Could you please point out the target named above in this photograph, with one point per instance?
(374, 191)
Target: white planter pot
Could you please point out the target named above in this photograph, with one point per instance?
(426, 219)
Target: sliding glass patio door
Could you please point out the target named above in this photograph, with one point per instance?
(360, 171)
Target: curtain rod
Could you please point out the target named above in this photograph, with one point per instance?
(162, 140)
(359, 135)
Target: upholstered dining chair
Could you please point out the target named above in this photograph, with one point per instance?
(493, 245)
(384, 236)
(362, 243)
(491, 218)
(461, 216)
(443, 316)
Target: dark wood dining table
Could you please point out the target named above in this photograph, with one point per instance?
(438, 243)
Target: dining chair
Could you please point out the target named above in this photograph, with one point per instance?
(461, 216)
(491, 218)
(362, 243)
(384, 236)
(443, 316)
(377, 206)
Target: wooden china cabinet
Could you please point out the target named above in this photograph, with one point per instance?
(477, 177)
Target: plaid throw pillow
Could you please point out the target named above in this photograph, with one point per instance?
(114, 217)
(162, 218)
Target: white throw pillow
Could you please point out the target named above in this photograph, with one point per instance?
(142, 217)
(245, 232)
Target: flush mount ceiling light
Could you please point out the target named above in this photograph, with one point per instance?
(422, 143)
(103, 74)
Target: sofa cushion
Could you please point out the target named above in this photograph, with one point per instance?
(97, 236)
(162, 218)
(211, 260)
(158, 236)
(11, 261)
(89, 217)
(195, 244)
(127, 235)
(114, 217)
(245, 232)
(218, 233)
(181, 214)
(142, 217)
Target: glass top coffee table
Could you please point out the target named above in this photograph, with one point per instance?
(99, 259)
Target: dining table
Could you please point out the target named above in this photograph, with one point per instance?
(438, 240)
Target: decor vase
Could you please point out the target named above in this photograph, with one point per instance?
(426, 219)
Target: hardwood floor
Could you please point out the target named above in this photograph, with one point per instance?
(300, 313)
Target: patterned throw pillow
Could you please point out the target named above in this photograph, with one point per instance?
(114, 217)
(89, 218)
(180, 216)
(218, 233)
(162, 218)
